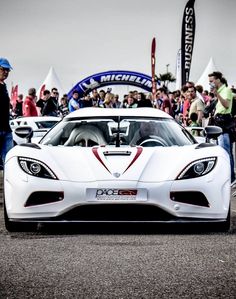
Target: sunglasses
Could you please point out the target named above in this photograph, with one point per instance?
(4, 69)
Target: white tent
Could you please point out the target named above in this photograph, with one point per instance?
(51, 81)
(203, 80)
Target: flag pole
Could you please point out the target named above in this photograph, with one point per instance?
(153, 66)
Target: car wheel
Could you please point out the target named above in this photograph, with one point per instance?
(16, 226)
(225, 226)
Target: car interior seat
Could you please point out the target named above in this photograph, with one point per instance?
(85, 136)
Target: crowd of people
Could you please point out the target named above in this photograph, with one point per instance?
(190, 106)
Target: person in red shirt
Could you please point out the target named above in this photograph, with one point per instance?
(166, 103)
(29, 106)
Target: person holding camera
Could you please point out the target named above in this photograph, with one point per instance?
(222, 115)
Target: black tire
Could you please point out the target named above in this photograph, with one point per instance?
(16, 226)
(225, 226)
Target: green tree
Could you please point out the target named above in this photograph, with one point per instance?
(166, 78)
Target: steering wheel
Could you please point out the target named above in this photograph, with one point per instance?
(151, 140)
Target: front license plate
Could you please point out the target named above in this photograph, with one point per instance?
(110, 194)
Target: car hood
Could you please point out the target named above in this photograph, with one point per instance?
(155, 164)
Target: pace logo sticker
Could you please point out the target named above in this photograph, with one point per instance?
(116, 194)
(107, 192)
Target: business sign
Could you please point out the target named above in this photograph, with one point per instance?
(112, 78)
(187, 40)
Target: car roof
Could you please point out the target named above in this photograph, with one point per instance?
(37, 118)
(100, 112)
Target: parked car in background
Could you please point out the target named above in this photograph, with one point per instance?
(39, 124)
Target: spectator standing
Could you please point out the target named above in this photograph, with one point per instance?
(74, 102)
(18, 111)
(166, 103)
(41, 102)
(6, 140)
(63, 108)
(224, 95)
(143, 101)
(117, 103)
(196, 104)
(87, 101)
(29, 106)
(193, 123)
(102, 95)
(108, 102)
(125, 101)
(158, 101)
(55, 94)
(131, 102)
(50, 107)
(185, 104)
(95, 98)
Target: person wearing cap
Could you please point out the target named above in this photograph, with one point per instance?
(29, 105)
(6, 140)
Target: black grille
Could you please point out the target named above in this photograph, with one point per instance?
(190, 197)
(43, 197)
(116, 212)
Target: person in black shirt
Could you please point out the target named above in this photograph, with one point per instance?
(50, 107)
(6, 140)
(86, 101)
(18, 111)
(41, 102)
(143, 101)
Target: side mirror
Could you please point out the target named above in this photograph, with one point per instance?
(212, 132)
(24, 132)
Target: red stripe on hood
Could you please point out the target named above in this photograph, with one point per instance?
(139, 151)
(95, 151)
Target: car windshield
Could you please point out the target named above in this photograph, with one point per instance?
(118, 131)
(47, 124)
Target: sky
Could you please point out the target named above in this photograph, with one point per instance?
(80, 38)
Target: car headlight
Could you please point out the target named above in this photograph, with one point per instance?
(197, 168)
(36, 168)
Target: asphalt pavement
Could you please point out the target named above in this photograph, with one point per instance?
(117, 262)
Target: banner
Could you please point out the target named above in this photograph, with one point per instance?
(14, 95)
(187, 40)
(153, 65)
(99, 80)
(41, 91)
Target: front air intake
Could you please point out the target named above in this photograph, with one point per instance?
(190, 197)
(43, 197)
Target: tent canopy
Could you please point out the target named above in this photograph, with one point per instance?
(51, 81)
(203, 80)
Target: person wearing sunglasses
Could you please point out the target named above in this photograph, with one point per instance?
(6, 140)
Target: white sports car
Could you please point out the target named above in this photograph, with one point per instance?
(117, 165)
(39, 124)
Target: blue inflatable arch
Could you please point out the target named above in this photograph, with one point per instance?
(112, 78)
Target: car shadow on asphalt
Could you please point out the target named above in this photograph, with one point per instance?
(130, 228)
